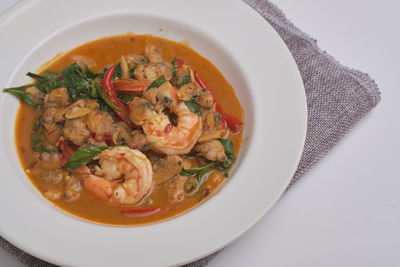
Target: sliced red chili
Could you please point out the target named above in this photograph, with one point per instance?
(233, 123)
(107, 139)
(67, 149)
(179, 62)
(140, 212)
(218, 108)
(60, 78)
(201, 83)
(168, 128)
(108, 89)
(227, 120)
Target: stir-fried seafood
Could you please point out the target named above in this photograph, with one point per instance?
(134, 139)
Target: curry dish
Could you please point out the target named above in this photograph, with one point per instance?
(128, 129)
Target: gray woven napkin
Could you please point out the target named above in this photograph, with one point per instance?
(337, 97)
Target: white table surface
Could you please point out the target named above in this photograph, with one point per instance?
(345, 211)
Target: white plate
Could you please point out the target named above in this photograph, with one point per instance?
(246, 50)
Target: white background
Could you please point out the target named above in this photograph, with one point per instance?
(345, 211)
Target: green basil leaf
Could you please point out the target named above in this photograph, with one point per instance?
(88, 74)
(37, 124)
(228, 148)
(21, 94)
(186, 79)
(77, 83)
(107, 100)
(133, 68)
(47, 81)
(83, 156)
(223, 170)
(36, 140)
(173, 72)
(41, 148)
(193, 107)
(196, 170)
(35, 76)
(157, 83)
(200, 177)
(117, 71)
(125, 99)
(93, 90)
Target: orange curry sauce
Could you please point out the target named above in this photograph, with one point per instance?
(98, 54)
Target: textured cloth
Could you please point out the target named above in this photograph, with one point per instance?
(337, 97)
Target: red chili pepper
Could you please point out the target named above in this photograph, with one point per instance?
(67, 150)
(179, 62)
(201, 83)
(108, 89)
(167, 128)
(60, 78)
(227, 120)
(218, 108)
(233, 123)
(140, 212)
(107, 139)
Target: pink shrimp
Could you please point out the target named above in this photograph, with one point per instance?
(179, 139)
(125, 176)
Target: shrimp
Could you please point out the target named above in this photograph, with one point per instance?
(179, 139)
(125, 176)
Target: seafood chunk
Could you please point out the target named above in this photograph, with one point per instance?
(53, 194)
(49, 161)
(48, 119)
(140, 110)
(193, 92)
(100, 122)
(57, 98)
(179, 139)
(72, 188)
(35, 93)
(176, 188)
(212, 150)
(152, 71)
(76, 130)
(121, 134)
(139, 140)
(125, 176)
(153, 53)
(133, 60)
(167, 167)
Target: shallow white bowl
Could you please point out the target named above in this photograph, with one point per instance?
(246, 50)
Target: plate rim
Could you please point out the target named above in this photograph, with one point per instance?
(21, 5)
